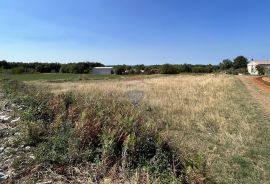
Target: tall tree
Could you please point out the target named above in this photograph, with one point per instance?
(226, 64)
(240, 62)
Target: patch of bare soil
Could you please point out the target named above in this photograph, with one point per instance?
(263, 82)
(266, 79)
(253, 84)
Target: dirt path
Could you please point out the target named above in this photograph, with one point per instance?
(259, 91)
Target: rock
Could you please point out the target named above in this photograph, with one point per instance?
(15, 120)
(21, 146)
(2, 149)
(21, 107)
(13, 105)
(3, 176)
(13, 123)
(32, 157)
(5, 118)
(17, 134)
(45, 182)
(27, 148)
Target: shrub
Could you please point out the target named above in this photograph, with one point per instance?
(226, 64)
(267, 71)
(18, 70)
(237, 71)
(168, 69)
(199, 70)
(62, 147)
(260, 70)
(150, 71)
(32, 133)
(185, 68)
(120, 69)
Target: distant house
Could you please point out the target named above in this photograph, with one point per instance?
(252, 66)
(102, 70)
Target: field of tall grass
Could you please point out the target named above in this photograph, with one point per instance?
(210, 119)
(163, 129)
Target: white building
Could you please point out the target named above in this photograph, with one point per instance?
(252, 66)
(102, 70)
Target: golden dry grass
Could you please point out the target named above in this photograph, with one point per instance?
(207, 119)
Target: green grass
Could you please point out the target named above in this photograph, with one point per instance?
(56, 77)
(252, 165)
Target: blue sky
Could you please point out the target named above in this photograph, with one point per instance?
(134, 31)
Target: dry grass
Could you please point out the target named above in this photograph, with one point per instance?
(206, 117)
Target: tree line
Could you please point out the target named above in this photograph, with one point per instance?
(238, 65)
(164, 69)
(36, 67)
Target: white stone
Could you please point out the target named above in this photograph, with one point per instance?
(17, 134)
(15, 120)
(3, 176)
(45, 182)
(32, 157)
(5, 118)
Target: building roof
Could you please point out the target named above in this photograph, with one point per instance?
(260, 62)
(103, 67)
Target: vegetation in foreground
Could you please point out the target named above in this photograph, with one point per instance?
(211, 119)
(209, 124)
(117, 138)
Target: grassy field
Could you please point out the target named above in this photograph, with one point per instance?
(56, 77)
(211, 119)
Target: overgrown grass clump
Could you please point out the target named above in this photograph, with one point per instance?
(112, 134)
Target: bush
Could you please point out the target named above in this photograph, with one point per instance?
(260, 70)
(168, 69)
(267, 71)
(62, 147)
(18, 70)
(32, 133)
(120, 69)
(199, 70)
(151, 71)
(226, 64)
(185, 68)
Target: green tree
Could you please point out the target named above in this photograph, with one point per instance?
(260, 69)
(168, 69)
(120, 69)
(226, 64)
(240, 62)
